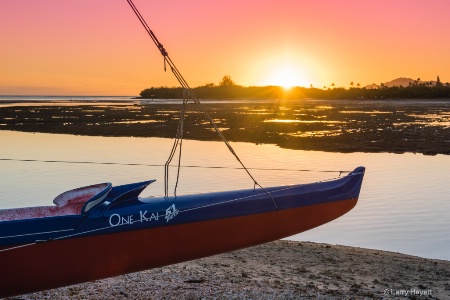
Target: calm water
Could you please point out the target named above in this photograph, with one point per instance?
(404, 204)
(6, 98)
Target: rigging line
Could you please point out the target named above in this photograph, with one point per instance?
(166, 167)
(230, 148)
(147, 28)
(183, 112)
(191, 94)
(177, 142)
(183, 82)
(172, 154)
(185, 85)
(159, 165)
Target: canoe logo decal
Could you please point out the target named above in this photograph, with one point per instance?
(171, 212)
(144, 216)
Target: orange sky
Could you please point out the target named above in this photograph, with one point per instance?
(98, 47)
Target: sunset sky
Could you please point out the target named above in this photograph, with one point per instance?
(98, 47)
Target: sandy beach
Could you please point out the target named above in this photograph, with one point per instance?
(277, 270)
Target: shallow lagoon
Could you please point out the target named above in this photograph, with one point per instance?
(404, 203)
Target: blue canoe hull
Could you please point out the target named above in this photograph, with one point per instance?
(129, 235)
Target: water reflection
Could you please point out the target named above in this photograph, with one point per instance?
(137, 121)
(318, 133)
(301, 121)
(403, 206)
(363, 112)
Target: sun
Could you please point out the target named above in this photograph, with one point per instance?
(285, 76)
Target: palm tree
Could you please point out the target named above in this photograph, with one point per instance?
(438, 81)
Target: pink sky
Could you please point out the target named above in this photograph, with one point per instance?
(98, 47)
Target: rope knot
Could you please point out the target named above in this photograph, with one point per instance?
(162, 50)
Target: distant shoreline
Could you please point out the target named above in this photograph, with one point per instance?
(145, 101)
(403, 89)
(83, 99)
(397, 126)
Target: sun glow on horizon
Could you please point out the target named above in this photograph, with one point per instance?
(286, 76)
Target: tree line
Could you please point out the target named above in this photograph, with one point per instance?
(228, 89)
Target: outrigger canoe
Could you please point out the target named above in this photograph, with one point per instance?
(101, 231)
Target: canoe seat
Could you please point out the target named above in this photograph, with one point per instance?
(67, 203)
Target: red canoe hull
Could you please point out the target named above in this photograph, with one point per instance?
(58, 263)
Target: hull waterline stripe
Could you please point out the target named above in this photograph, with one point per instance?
(35, 233)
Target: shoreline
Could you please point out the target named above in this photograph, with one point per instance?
(322, 125)
(277, 270)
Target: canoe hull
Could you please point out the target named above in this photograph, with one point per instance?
(123, 233)
(58, 263)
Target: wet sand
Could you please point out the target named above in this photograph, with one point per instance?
(397, 126)
(278, 270)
